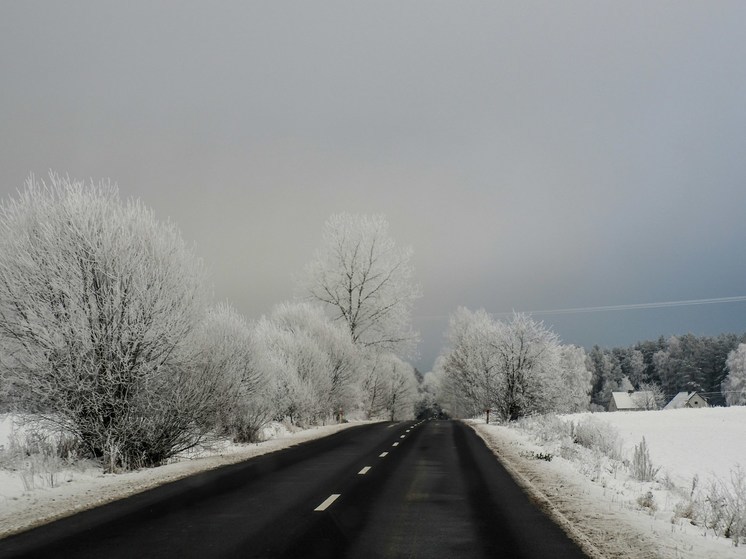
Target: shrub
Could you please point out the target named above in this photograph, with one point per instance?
(647, 501)
(545, 428)
(38, 455)
(98, 303)
(726, 506)
(597, 434)
(642, 467)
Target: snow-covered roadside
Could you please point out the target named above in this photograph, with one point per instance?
(83, 486)
(604, 515)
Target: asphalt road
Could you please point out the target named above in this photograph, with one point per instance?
(429, 489)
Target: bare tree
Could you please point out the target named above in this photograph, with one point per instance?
(98, 304)
(366, 280)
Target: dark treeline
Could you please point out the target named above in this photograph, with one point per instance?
(679, 363)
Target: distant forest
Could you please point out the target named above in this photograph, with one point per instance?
(679, 363)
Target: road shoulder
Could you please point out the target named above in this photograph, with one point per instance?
(600, 530)
(48, 504)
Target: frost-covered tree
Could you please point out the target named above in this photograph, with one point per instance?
(734, 385)
(527, 354)
(649, 396)
(309, 320)
(634, 365)
(366, 280)
(607, 375)
(401, 388)
(471, 364)
(296, 369)
(449, 394)
(311, 364)
(373, 383)
(98, 306)
(514, 368)
(575, 392)
(225, 354)
(389, 387)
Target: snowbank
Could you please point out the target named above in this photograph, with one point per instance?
(37, 492)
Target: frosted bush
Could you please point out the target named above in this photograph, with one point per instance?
(98, 306)
(642, 467)
(39, 457)
(545, 428)
(725, 506)
(595, 433)
(647, 501)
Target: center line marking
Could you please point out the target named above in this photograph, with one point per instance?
(383, 454)
(364, 471)
(402, 436)
(395, 444)
(325, 505)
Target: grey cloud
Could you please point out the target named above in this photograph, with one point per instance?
(536, 155)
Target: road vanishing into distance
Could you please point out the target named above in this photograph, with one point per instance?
(428, 489)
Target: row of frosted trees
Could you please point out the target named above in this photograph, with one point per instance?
(514, 368)
(107, 329)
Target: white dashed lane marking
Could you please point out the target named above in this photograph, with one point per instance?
(326, 504)
(395, 444)
(402, 436)
(364, 471)
(383, 454)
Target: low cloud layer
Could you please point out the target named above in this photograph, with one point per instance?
(536, 156)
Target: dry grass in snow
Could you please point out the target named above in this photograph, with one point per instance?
(592, 490)
(42, 487)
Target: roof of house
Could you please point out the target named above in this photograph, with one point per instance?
(680, 400)
(623, 401)
(626, 400)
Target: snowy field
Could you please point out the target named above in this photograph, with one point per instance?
(37, 489)
(685, 442)
(595, 494)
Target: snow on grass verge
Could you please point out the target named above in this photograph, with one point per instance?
(586, 470)
(41, 486)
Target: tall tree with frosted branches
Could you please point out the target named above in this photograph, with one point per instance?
(366, 280)
(734, 385)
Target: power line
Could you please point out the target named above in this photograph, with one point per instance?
(615, 308)
(642, 306)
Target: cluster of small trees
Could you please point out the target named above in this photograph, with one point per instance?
(106, 329)
(514, 368)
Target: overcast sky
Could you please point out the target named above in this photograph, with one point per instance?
(536, 155)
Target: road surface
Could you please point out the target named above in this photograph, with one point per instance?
(411, 489)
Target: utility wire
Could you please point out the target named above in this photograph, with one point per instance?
(640, 306)
(614, 308)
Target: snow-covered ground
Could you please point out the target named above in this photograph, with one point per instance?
(38, 489)
(597, 499)
(685, 442)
